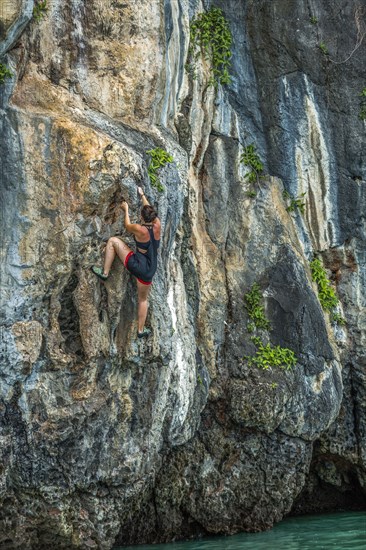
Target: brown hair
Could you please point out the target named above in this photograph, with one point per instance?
(148, 213)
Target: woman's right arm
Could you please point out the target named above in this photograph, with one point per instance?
(145, 202)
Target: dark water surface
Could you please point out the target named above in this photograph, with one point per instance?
(342, 531)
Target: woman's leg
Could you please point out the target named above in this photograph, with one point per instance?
(143, 292)
(114, 246)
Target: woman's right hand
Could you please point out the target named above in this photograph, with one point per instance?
(140, 190)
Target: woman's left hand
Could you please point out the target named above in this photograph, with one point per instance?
(124, 206)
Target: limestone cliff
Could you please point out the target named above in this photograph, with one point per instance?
(106, 439)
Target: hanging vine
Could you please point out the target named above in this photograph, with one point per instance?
(211, 36)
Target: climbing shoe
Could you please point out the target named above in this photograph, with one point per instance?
(98, 271)
(144, 334)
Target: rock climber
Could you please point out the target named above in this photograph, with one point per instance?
(142, 263)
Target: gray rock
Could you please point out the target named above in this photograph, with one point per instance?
(107, 439)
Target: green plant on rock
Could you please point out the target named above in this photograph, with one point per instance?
(159, 158)
(327, 296)
(4, 73)
(210, 34)
(40, 9)
(296, 203)
(362, 113)
(313, 20)
(271, 356)
(267, 355)
(326, 293)
(323, 48)
(251, 159)
(253, 304)
(337, 318)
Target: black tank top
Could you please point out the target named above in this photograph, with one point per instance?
(149, 259)
(145, 246)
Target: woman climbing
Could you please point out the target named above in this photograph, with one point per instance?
(142, 263)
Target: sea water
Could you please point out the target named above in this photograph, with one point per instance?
(341, 531)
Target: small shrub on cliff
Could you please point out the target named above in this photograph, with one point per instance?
(4, 73)
(337, 318)
(327, 295)
(271, 356)
(296, 203)
(255, 309)
(210, 33)
(251, 159)
(159, 158)
(40, 9)
(266, 355)
(323, 48)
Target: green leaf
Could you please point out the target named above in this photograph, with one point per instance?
(211, 34)
(158, 159)
(4, 73)
(268, 356)
(326, 293)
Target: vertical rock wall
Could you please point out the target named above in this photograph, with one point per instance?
(105, 438)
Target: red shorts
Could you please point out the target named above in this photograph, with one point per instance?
(126, 266)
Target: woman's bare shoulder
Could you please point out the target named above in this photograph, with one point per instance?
(139, 231)
(157, 228)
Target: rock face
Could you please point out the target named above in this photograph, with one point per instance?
(106, 439)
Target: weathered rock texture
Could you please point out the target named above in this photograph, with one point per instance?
(107, 439)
